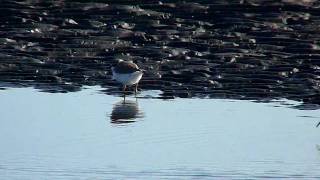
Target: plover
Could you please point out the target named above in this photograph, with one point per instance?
(127, 73)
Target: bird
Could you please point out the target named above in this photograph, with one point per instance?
(127, 73)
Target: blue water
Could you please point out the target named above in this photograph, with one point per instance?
(91, 135)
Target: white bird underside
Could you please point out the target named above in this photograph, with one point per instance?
(127, 79)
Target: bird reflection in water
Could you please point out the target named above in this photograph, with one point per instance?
(125, 111)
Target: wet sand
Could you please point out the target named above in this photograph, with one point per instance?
(256, 50)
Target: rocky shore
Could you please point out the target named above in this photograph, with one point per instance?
(240, 49)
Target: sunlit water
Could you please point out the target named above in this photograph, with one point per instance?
(91, 135)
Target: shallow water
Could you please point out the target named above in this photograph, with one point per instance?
(88, 135)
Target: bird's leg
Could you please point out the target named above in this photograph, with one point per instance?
(124, 89)
(136, 90)
(124, 93)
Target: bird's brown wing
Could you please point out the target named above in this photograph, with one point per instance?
(126, 67)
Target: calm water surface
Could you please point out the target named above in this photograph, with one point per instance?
(90, 135)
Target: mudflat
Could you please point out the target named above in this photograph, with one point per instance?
(259, 50)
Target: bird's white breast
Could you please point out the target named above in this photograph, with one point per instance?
(127, 79)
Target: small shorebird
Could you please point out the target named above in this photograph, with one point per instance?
(127, 73)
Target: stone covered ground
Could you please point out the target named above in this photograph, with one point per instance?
(239, 49)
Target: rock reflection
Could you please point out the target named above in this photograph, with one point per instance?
(125, 111)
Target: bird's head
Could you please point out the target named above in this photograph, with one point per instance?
(115, 62)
